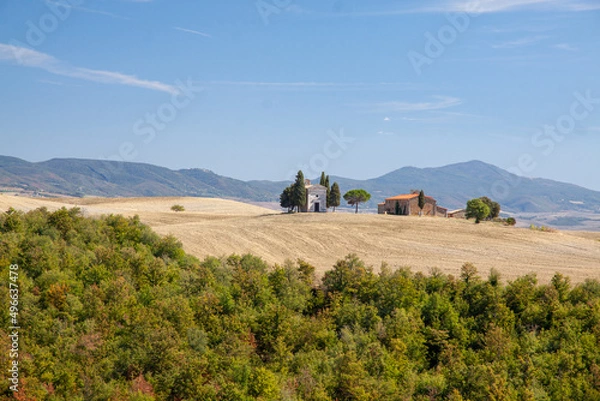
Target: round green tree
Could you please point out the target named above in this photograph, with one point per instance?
(285, 199)
(355, 197)
(494, 207)
(477, 209)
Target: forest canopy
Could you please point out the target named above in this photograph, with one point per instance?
(109, 310)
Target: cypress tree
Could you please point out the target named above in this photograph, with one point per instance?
(322, 181)
(335, 197)
(299, 191)
(328, 191)
(421, 201)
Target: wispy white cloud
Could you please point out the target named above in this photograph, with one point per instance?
(521, 42)
(34, 59)
(441, 102)
(26, 57)
(530, 58)
(460, 115)
(51, 82)
(387, 119)
(496, 6)
(317, 85)
(493, 6)
(566, 47)
(100, 12)
(584, 6)
(439, 116)
(470, 6)
(57, 83)
(192, 31)
(533, 29)
(86, 9)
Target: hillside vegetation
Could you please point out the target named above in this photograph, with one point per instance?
(111, 311)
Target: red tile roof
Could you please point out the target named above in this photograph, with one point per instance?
(406, 197)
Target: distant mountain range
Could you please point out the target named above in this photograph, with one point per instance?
(80, 177)
(451, 185)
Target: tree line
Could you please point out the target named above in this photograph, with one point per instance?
(110, 311)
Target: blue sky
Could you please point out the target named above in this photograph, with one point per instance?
(256, 89)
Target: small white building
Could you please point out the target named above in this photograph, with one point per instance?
(316, 198)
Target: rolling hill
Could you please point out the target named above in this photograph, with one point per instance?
(451, 185)
(78, 177)
(221, 227)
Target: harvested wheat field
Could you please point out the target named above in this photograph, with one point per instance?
(221, 227)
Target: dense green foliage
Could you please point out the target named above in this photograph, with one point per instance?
(111, 311)
(355, 197)
(294, 196)
(495, 208)
(484, 208)
(178, 208)
(477, 209)
(285, 199)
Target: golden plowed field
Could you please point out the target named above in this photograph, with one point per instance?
(221, 227)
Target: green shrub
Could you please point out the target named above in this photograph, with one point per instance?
(11, 221)
(177, 208)
(545, 229)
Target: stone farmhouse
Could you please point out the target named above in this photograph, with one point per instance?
(458, 214)
(408, 205)
(316, 198)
